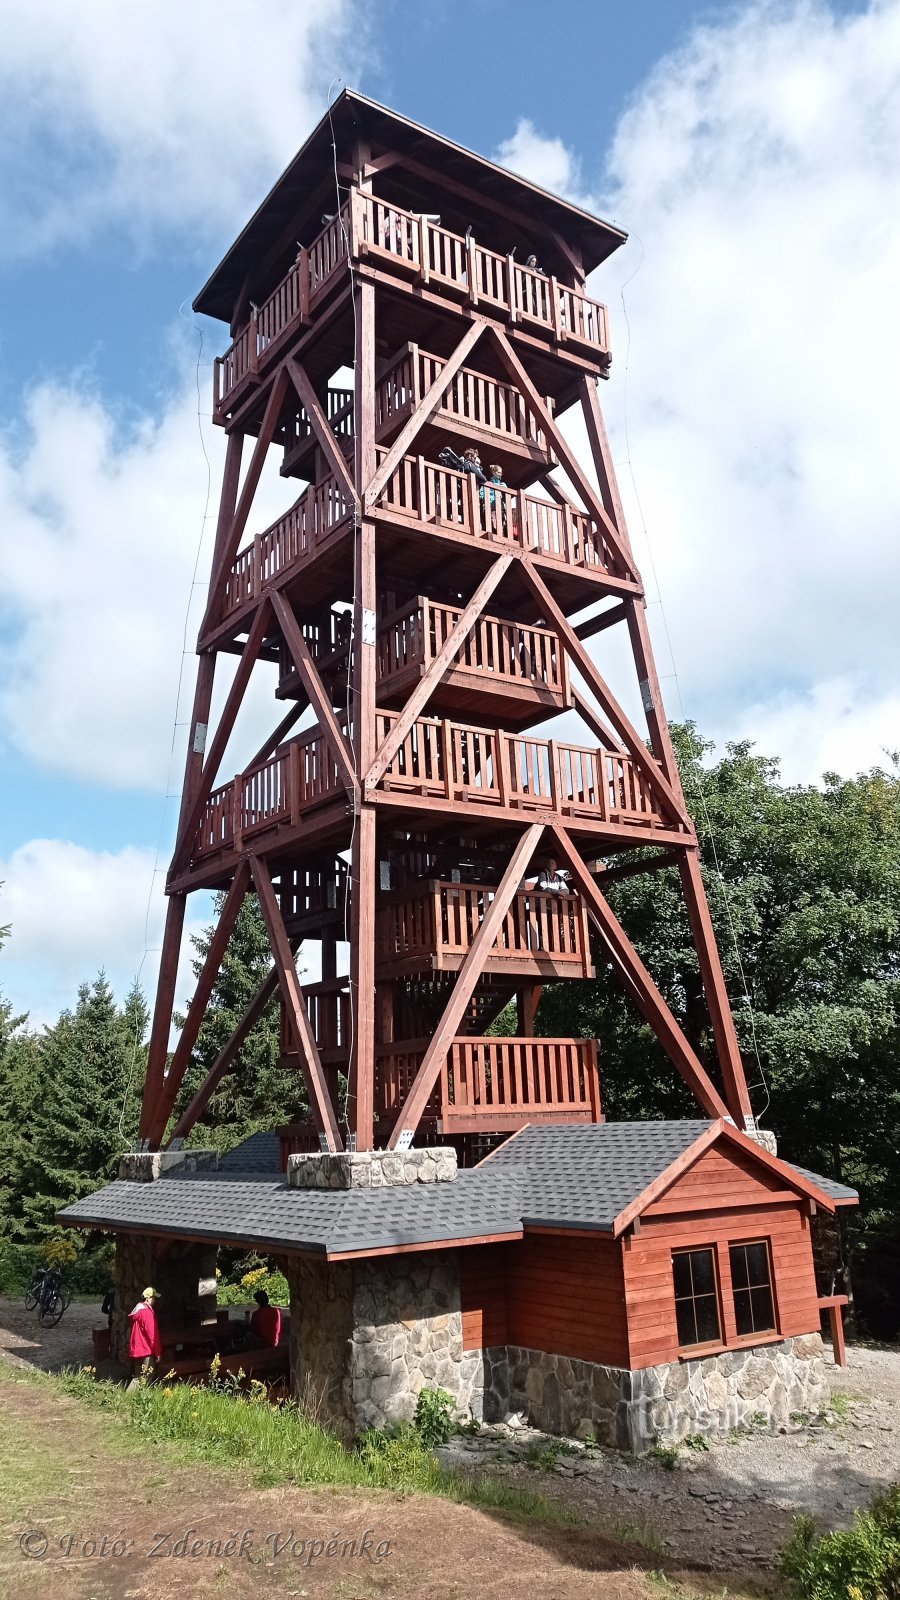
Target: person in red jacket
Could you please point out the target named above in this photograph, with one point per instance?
(265, 1322)
(145, 1346)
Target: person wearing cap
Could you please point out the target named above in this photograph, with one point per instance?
(266, 1320)
(145, 1345)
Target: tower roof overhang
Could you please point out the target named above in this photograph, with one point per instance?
(295, 201)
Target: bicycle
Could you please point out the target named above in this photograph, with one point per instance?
(54, 1298)
(33, 1294)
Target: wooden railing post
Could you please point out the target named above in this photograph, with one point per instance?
(424, 267)
(237, 808)
(511, 285)
(253, 343)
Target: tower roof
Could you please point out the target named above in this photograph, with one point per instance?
(296, 199)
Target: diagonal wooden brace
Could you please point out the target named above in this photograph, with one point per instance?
(424, 410)
(209, 972)
(643, 990)
(634, 744)
(229, 545)
(469, 973)
(565, 453)
(312, 683)
(321, 429)
(226, 1060)
(427, 684)
(191, 822)
(319, 1098)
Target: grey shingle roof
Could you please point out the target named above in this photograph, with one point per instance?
(581, 1176)
(836, 1191)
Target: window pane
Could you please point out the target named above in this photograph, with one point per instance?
(743, 1314)
(707, 1319)
(703, 1272)
(687, 1327)
(757, 1264)
(739, 1276)
(763, 1310)
(681, 1271)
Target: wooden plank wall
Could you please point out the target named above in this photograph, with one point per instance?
(749, 1205)
(550, 1292)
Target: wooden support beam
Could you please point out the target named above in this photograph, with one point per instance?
(566, 455)
(196, 1010)
(469, 973)
(727, 1048)
(191, 822)
(652, 1005)
(226, 1060)
(235, 533)
(606, 619)
(270, 745)
(158, 1048)
(363, 851)
(321, 429)
(603, 462)
(430, 679)
(425, 409)
(312, 683)
(672, 800)
(632, 869)
(588, 714)
(320, 1101)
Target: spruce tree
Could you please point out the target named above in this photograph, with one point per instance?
(80, 1108)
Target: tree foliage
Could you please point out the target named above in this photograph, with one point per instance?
(258, 1093)
(804, 891)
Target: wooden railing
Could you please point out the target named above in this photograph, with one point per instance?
(472, 400)
(328, 1009)
(297, 778)
(495, 1083)
(436, 923)
(310, 893)
(429, 493)
(435, 255)
(425, 493)
(416, 248)
(490, 767)
(298, 430)
(510, 652)
(290, 542)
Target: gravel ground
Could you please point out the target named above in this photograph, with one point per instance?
(730, 1506)
(25, 1342)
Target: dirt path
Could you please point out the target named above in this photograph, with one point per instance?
(69, 1476)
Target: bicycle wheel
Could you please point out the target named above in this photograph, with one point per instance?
(31, 1299)
(51, 1310)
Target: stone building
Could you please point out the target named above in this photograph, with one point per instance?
(630, 1282)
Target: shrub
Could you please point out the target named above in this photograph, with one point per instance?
(858, 1563)
(433, 1420)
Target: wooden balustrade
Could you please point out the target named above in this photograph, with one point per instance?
(433, 926)
(437, 759)
(414, 247)
(313, 894)
(297, 432)
(328, 1009)
(300, 776)
(457, 762)
(494, 1084)
(427, 492)
(422, 492)
(521, 654)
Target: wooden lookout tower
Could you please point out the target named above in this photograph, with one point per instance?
(425, 627)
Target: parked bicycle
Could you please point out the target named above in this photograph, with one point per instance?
(48, 1296)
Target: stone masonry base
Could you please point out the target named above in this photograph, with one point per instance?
(633, 1410)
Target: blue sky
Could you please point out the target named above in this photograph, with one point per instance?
(752, 152)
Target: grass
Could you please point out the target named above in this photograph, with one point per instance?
(279, 1445)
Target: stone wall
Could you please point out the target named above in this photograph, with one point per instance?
(368, 1336)
(183, 1274)
(632, 1410)
(371, 1169)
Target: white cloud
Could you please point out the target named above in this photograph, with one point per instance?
(157, 114)
(74, 911)
(760, 168)
(97, 546)
(834, 727)
(544, 160)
